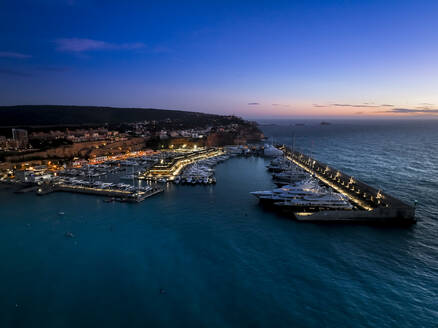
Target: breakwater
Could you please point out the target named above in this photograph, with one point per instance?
(374, 205)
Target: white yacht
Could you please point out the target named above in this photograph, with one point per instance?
(271, 151)
(291, 175)
(331, 201)
(308, 187)
(279, 164)
(305, 196)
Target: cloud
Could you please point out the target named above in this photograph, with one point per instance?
(365, 105)
(412, 110)
(253, 103)
(356, 106)
(12, 72)
(81, 45)
(425, 106)
(11, 54)
(283, 105)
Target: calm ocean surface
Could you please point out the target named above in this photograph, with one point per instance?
(222, 260)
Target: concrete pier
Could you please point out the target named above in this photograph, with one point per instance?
(374, 205)
(117, 194)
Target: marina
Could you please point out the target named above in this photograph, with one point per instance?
(307, 190)
(123, 179)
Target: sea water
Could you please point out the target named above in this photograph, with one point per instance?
(210, 256)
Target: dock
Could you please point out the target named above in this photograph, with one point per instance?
(171, 168)
(116, 194)
(373, 205)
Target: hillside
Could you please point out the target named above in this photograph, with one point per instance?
(53, 115)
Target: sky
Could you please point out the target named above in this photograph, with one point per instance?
(267, 59)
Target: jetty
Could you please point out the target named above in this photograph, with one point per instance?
(373, 206)
(115, 194)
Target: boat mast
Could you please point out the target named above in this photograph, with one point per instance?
(293, 145)
(133, 180)
(293, 141)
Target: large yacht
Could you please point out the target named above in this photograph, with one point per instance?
(308, 187)
(307, 195)
(330, 201)
(289, 176)
(279, 164)
(271, 151)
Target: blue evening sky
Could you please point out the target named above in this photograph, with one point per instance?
(251, 58)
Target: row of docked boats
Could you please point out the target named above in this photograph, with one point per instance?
(90, 171)
(305, 195)
(285, 172)
(298, 191)
(102, 185)
(193, 180)
(200, 172)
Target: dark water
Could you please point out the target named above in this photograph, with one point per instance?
(220, 259)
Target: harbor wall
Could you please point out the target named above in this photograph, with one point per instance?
(387, 215)
(374, 204)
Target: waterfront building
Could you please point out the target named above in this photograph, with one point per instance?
(20, 137)
(173, 166)
(3, 142)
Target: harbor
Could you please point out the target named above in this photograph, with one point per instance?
(315, 192)
(126, 178)
(307, 190)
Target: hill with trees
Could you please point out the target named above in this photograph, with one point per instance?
(53, 115)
